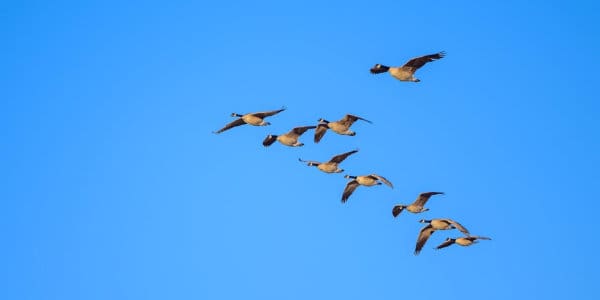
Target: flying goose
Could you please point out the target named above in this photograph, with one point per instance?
(366, 180)
(417, 205)
(341, 126)
(288, 139)
(332, 165)
(407, 71)
(445, 224)
(256, 119)
(436, 224)
(463, 241)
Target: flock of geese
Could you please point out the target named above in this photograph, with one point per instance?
(291, 138)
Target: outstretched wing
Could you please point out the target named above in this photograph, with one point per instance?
(349, 189)
(265, 114)
(387, 182)
(350, 119)
(423, 197)
(458, 226)
(445, 244)
(340, 158)
(320, 131)
(418, 62)
(300, 130)
(475, 237)
(235, 123)
(424, 235)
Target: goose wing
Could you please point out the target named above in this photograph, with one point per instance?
(300, 130)
(476, 237)
(349, 189)
(350, 119)
(458, 226)
(420, 61)
(387, 182)
(423, 197)
(445, 244)
(340, 158)
(424, 235)
(265, 114)
(235, 123)
(320, 131)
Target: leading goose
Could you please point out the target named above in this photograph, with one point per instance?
(341, 126)
(331, 166)
(256, 119)
(288, 139)
(366, 180)
(407, 71)
(417, 206)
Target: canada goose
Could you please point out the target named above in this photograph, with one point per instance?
(407, 71)
(436, 224)
(341, 126)
(288, 139)
(417, 206)
(445, 224)
(366, 180)
(332, 165)
(256, 119)
(463, 241)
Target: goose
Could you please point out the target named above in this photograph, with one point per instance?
(445, 224)
(417, 206)
(255, 119)
(433, 225)
(331, 166)
(462, 241)
(288, 139)
(407, 71)
(341, 126)
(366, 180)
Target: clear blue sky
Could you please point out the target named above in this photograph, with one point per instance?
(114, 187)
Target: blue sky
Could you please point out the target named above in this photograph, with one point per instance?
(114, 186)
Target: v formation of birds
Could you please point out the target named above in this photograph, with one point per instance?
(291, 138)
